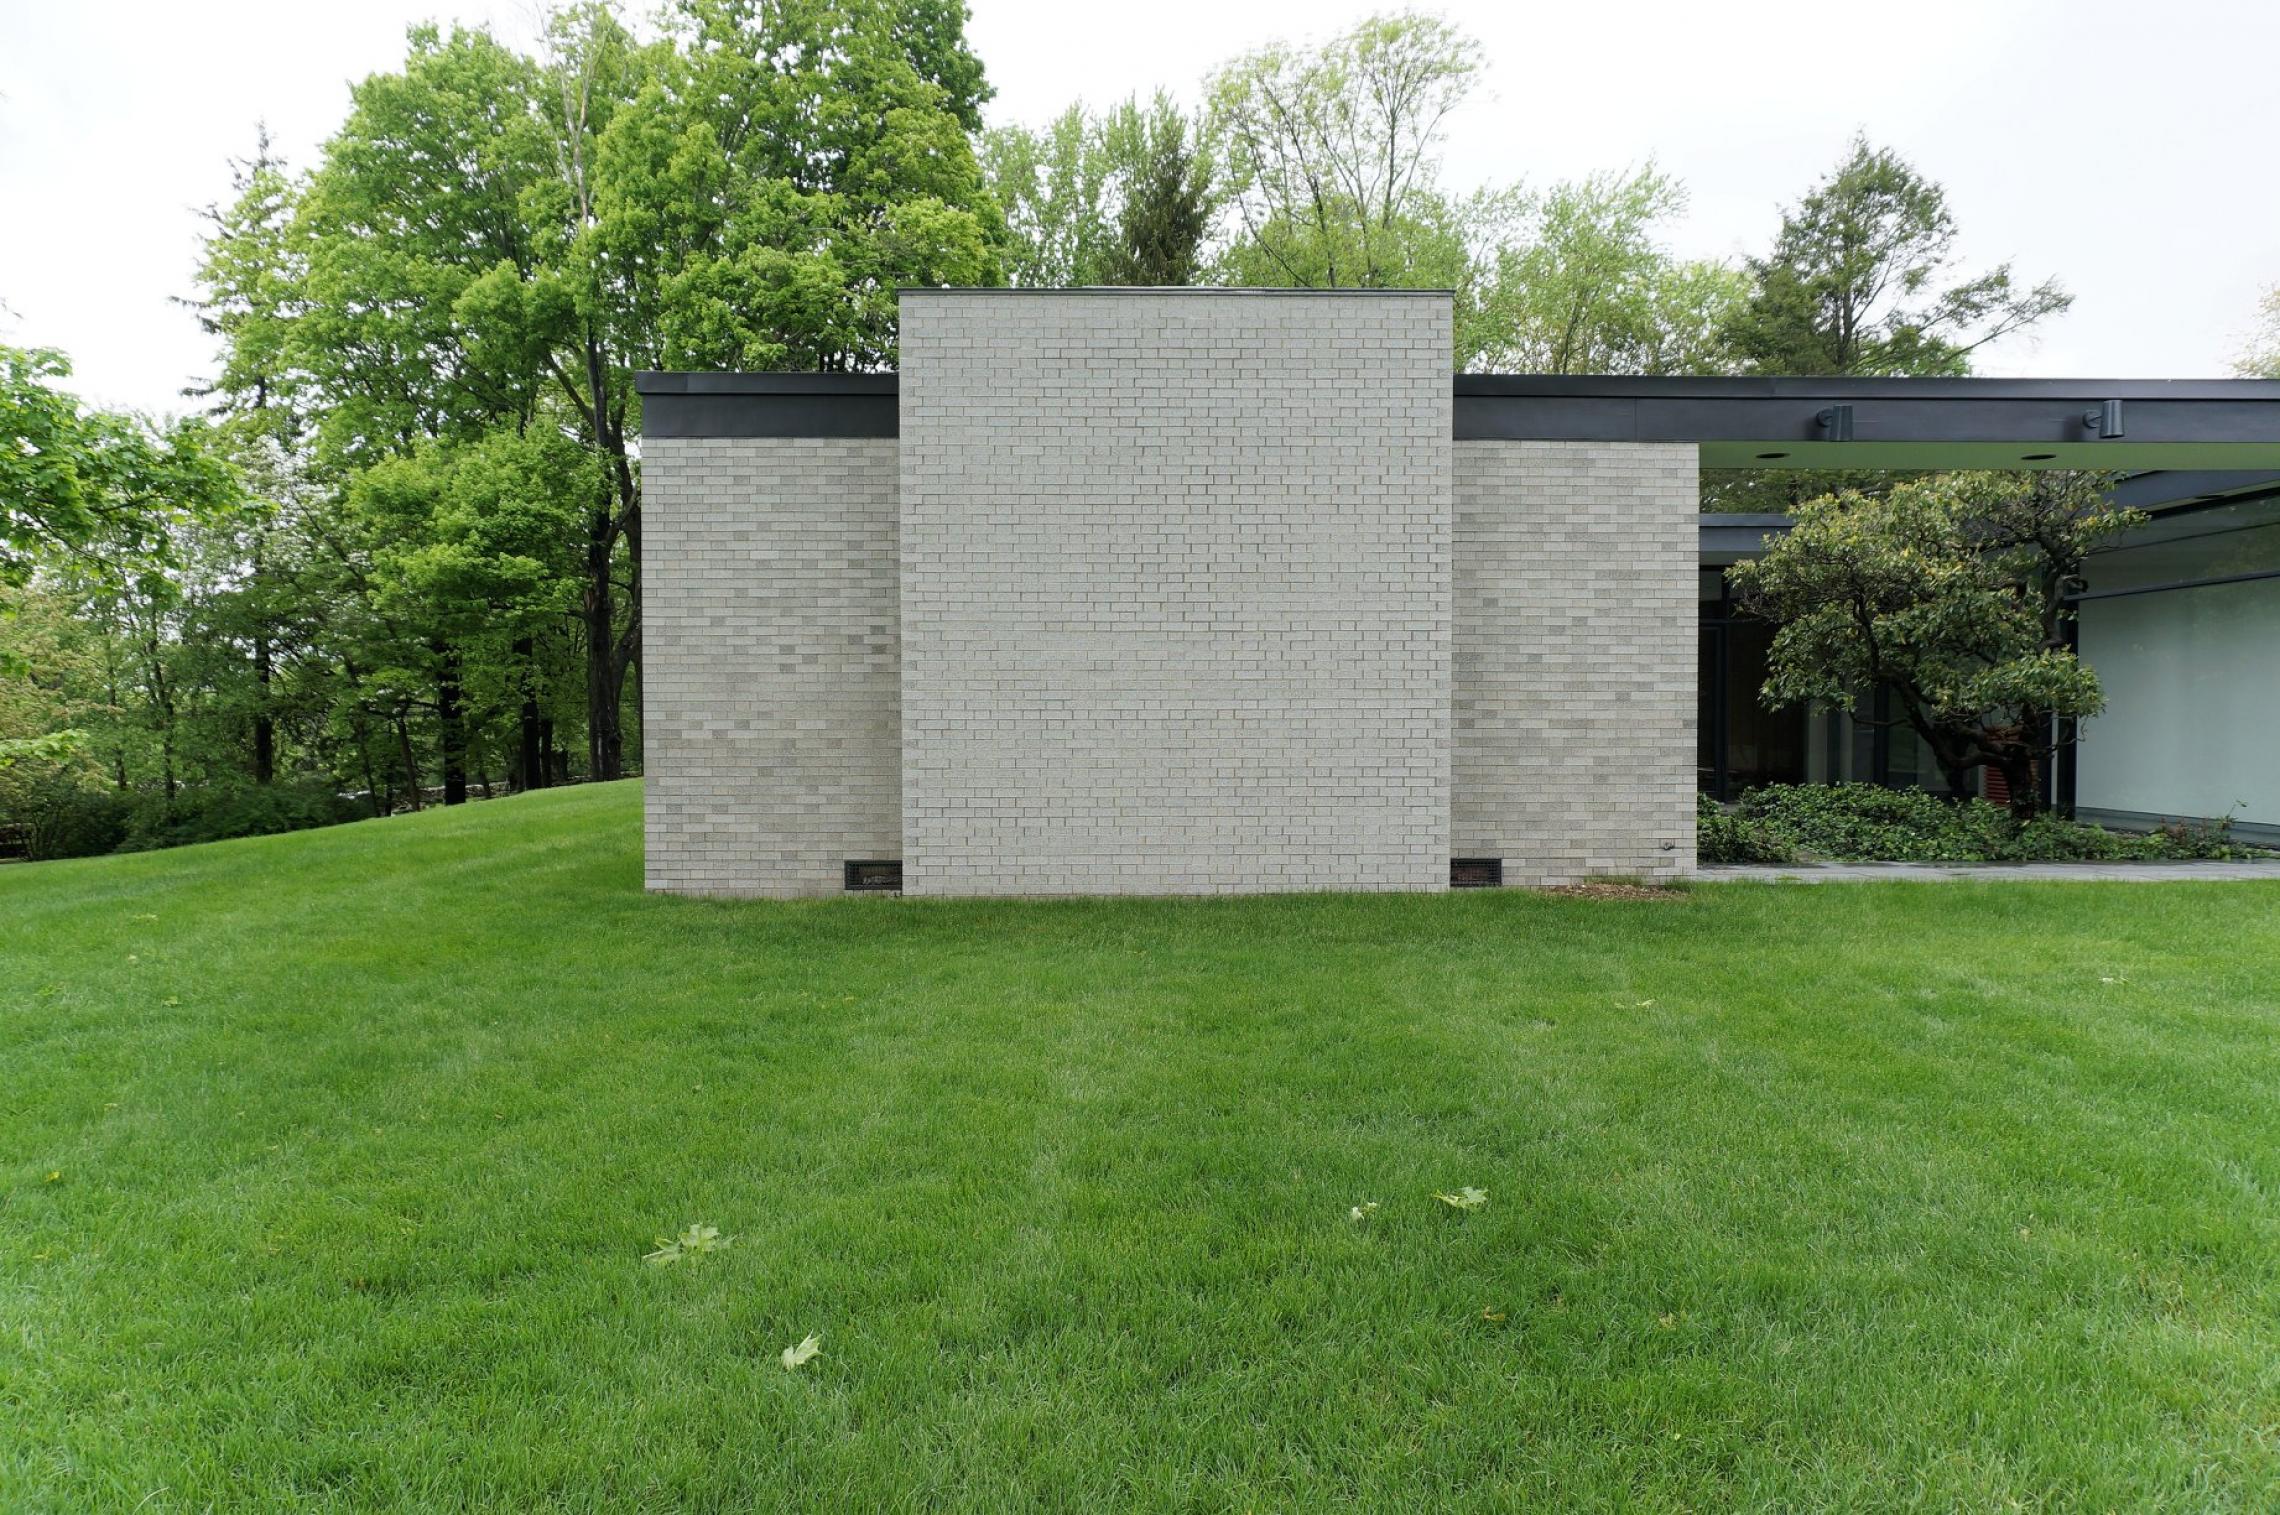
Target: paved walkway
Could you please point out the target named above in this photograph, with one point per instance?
(2080, 873)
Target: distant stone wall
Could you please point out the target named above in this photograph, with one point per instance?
(771, 667)
(1176, 592)
(1575, 658)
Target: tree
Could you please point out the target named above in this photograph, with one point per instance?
(472, 555)
(1119, 198)
(1333, 152)
(1588, 289)
(1053, 186)
(1861, 280)
(1949, 595)
(2260, 359)
(1167, 205)
(251, 273)
(70, 476)
(801, 163)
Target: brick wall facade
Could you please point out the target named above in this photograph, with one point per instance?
(1166, 593)
(771, 667)
(1575, 654)
(1176, 592)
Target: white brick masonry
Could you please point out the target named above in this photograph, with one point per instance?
(770, 674)
(1176, 608)
(1575, 658)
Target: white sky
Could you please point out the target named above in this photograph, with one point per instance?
(2123, 145)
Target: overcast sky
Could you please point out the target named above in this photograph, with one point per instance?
(2123, 145)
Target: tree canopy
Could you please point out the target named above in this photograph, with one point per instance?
(1948, 598)
(1862, 280)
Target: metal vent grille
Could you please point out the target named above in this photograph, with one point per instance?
(1476, 872)
(874, 876)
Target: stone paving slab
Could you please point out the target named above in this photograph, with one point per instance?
(2079, 873)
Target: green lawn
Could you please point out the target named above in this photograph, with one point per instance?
(328, 1163)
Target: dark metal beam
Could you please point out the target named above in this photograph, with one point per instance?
(1738, 423)
(768, 404)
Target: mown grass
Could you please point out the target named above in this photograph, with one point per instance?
(330, 1161)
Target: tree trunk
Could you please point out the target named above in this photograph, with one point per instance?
(372, 795)
(411, 763)
(451, 724)
(530, 750)
(605, 742)
(2026, 792)
(264, 724)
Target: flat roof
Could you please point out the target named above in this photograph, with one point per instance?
(1765, 422)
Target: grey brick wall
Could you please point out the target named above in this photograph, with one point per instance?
(1575, 659)
(771, 667)
(1176, 607)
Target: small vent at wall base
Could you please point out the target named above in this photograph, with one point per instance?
(873, 876)
(1476, 872)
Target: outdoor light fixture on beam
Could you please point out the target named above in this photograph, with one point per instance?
(1836, 422)
(2106, 420)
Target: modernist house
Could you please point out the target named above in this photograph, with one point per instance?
(1200, 591)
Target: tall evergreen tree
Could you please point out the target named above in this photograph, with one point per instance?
(1167, 205)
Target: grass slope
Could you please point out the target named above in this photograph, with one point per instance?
(328, 1161)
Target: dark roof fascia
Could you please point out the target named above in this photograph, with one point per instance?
(1770, 387)
(769, 404)
(650, 383)
(1745, 422)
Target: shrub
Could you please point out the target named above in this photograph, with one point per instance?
(1865, 823)
(1723, 838)
(63, 817)
(219, 812)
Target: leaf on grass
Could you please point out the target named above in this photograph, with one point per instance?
(1464, 1199)
(694, 1242)
(1362, 1211)
(808, 1347)
(1491, 1314)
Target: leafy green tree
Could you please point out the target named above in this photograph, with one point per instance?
(422, 327)
(832, 166)
(1948, 595)
(1862, 280)
(748, 192)
(1123, 197)
(1332, 152)
(1054, 188)
(1587, 288)
(70, 476)
(469, 549)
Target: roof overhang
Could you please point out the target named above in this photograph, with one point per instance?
(2228, 424)
(2122, 424)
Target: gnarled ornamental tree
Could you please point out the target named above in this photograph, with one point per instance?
(1950, 595)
